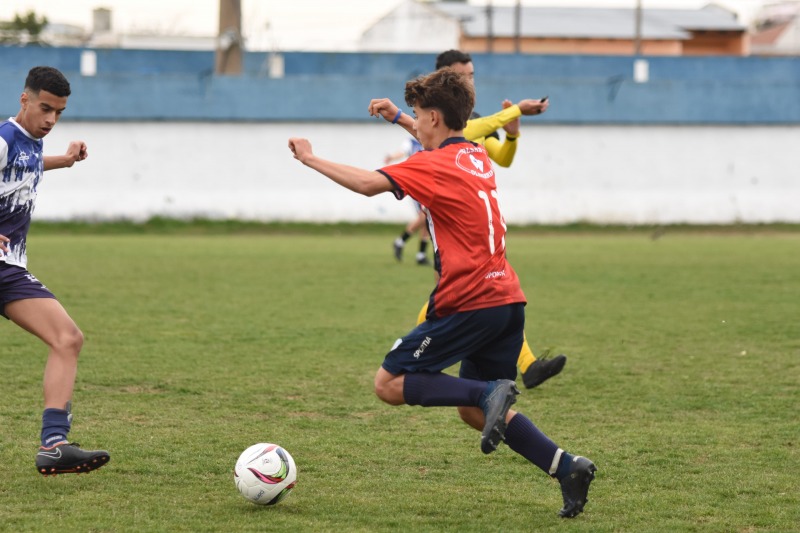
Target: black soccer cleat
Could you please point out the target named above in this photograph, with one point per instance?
(422, 259)
(68, 458)
(542, 369)
(575, 486)
(496, 407)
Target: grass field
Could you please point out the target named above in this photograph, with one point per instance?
(682, 385)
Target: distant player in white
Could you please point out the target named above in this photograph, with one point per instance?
(410, 147)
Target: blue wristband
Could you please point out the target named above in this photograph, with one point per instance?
(397, 117)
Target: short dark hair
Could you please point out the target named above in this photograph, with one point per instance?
(446, 90)
(47, 79)
(451, 57)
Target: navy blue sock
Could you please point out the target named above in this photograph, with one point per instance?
(437, 389)
(55, 426)
(526, 439)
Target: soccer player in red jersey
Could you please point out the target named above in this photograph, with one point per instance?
(476, 314)
(483, 130)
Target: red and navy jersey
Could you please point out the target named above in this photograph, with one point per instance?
(456, 183)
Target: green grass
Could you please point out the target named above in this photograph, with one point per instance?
(682, 383)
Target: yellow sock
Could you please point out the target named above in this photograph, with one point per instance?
(526, 357)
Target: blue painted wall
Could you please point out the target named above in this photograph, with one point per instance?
(180, 85)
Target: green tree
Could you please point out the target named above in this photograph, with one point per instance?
(24, 29)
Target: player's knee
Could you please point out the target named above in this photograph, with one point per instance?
(69, 341)
(387, 392)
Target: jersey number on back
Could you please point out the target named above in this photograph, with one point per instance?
(487, 202)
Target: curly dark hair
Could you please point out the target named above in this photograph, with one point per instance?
(445, 90)
(48, 79)
(451, 57)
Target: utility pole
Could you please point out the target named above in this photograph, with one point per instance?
(637, 37)
(489, 36)
(228, 60)
(641, 67)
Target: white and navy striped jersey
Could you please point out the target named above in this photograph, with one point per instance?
(21, 169)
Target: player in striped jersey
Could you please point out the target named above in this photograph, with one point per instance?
(23, 298)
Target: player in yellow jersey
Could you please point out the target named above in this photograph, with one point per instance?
(483, 130)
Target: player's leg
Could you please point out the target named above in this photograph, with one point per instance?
(520, 434)
(427, 389)
(411, 372)
(47, 319)
(389, 387)
(400, 243)
(423, 313)
(573, 472)
(437, 344)
(526, 357)
(536, 371)
(411, 228)
(420, 224)
(495, 362)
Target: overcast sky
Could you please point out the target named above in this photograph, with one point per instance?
(286, 24)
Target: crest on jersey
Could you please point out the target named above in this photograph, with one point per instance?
(477, 163)
(467, 161)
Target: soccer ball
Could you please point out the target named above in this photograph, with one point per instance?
(265, 473)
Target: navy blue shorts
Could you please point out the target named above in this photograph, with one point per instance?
(16, 283)
(487, 342)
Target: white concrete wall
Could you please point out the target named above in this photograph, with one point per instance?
(562, 174)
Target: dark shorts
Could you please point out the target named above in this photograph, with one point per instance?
(16, 283)
(487, 342)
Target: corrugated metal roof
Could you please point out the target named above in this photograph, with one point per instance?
(709, 18)
(590, 23)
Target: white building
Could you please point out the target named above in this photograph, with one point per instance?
(777, 30)
(422, 26)
(413, 27)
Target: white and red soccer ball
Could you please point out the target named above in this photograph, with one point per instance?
(265, 473)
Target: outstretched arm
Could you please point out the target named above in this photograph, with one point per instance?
(76, 151)
(478, 128)
(366, 182)
(385, 108)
